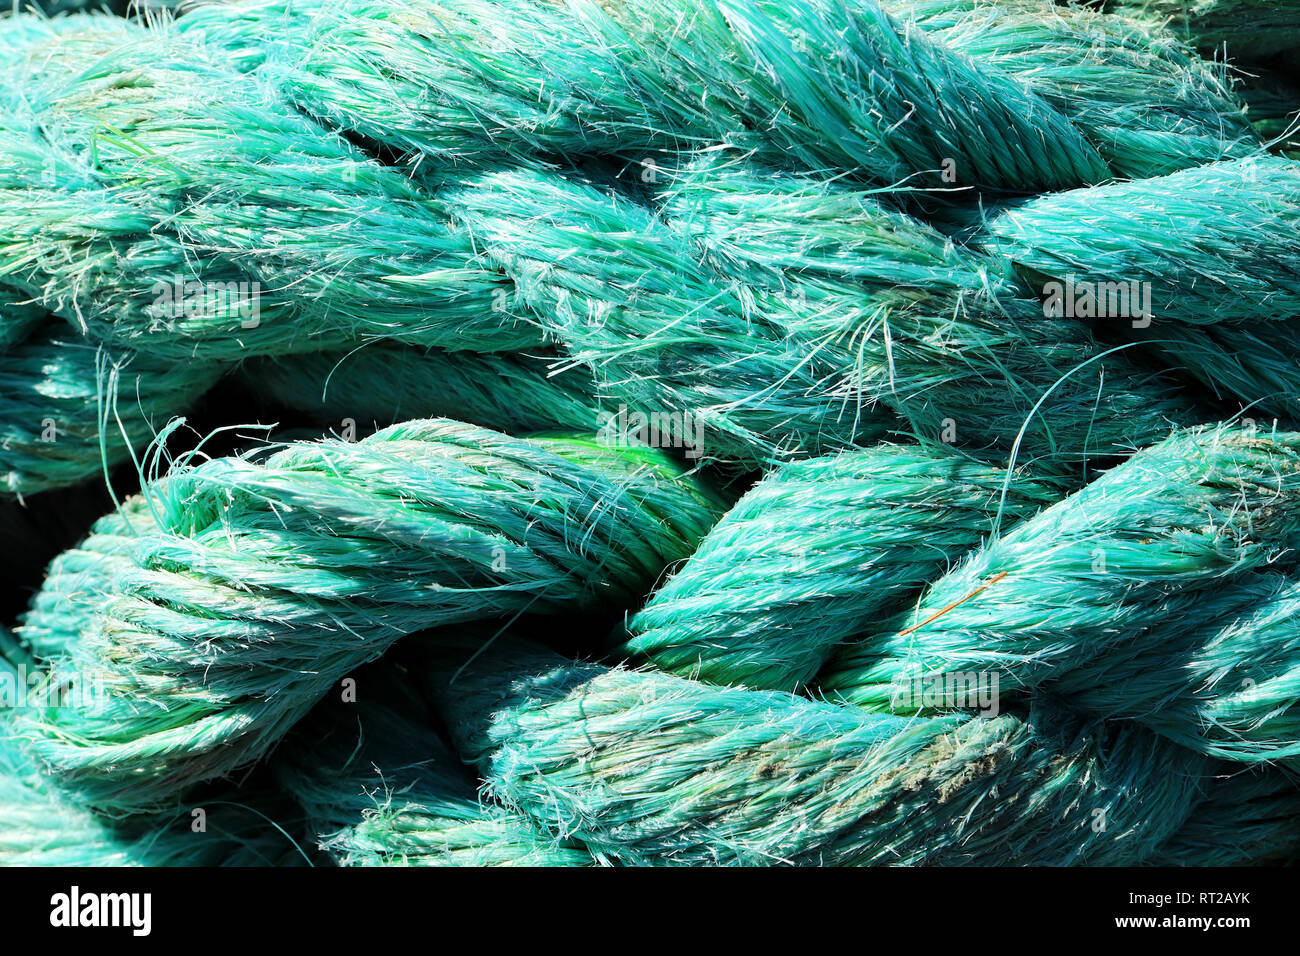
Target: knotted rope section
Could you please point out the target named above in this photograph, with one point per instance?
(819, 432)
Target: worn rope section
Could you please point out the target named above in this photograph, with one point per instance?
(939, 293)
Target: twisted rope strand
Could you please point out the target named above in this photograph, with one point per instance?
(263, 583)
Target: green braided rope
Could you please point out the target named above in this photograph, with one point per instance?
(815, 553)
(272, 199)
(816, 357)
(656, 769)
(68, 409)
(380, 789)
(1245, 819)
(262, 583)
(41, 826)
(172, 66)
(1215, 243)
(1148, 105)
(1225, 687)
(783, 231)
(1248, 28)
(1131, 550)
(388, 383)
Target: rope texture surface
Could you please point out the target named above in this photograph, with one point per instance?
(829, 432)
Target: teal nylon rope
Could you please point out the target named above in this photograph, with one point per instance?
(809, 251)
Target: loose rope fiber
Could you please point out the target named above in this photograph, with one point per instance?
(818, 432)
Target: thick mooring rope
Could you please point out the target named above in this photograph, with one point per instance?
(815, 432)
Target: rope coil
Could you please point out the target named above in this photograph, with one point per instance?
(830, 432)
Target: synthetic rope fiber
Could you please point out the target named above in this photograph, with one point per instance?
(750, 432)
